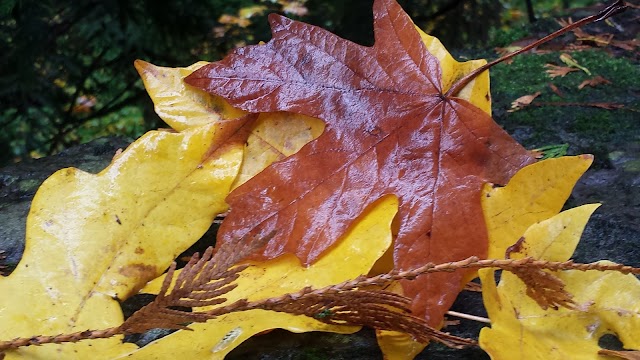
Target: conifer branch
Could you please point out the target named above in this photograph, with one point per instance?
(205, 279)
(59, 339)
(202, 282)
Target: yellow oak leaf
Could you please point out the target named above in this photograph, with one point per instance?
(353, 256)
(94, 239)
(604, 302)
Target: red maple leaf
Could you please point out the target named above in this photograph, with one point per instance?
(389, 130)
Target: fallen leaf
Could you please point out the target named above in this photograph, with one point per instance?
(523, 101)
(601, 40)
(94, 239)
(534, 194)
(501, 51)
(234, 20)
(251, 11)
(567, 59)
(600, 105)
(598, 80)
(556, 90)
(398, 346)
(179, 105)
(355, 253)
(629, 45)
(294, 7)
(389, 130)
(606, 105)
(603, 302)
(606, 303)
(272, 137)
(555, 70)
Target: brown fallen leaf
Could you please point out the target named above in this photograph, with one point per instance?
(600, 40)
(629, 45)
(604, 105)
(391, 128)
(555, 70)
(556, 90)
(593, 82)
(523, 101)
(502, 51)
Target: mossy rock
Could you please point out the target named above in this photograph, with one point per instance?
(573, 118)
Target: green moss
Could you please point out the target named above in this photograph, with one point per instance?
(29, 185)
(632, 166)
(586, 129)
(313, 354)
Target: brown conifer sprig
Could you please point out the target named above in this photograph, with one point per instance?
(202, 282)
(546, 289)
(349, 303)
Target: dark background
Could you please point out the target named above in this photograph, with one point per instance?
(66, 67)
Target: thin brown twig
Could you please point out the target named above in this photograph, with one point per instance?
(610, 10)
(600, 105)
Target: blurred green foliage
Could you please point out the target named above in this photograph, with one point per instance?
(66, 67)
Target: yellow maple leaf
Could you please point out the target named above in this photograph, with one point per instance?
(535, 193)
(476, 91)
(93, 239)
(273, 136)
(355, 253)
(509, 211)
(604, 302)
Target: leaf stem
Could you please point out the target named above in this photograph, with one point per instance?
(610, 10)
(469, 317)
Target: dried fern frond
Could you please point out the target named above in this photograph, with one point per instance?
(377, 309)
(545, 288)
(201, 283)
